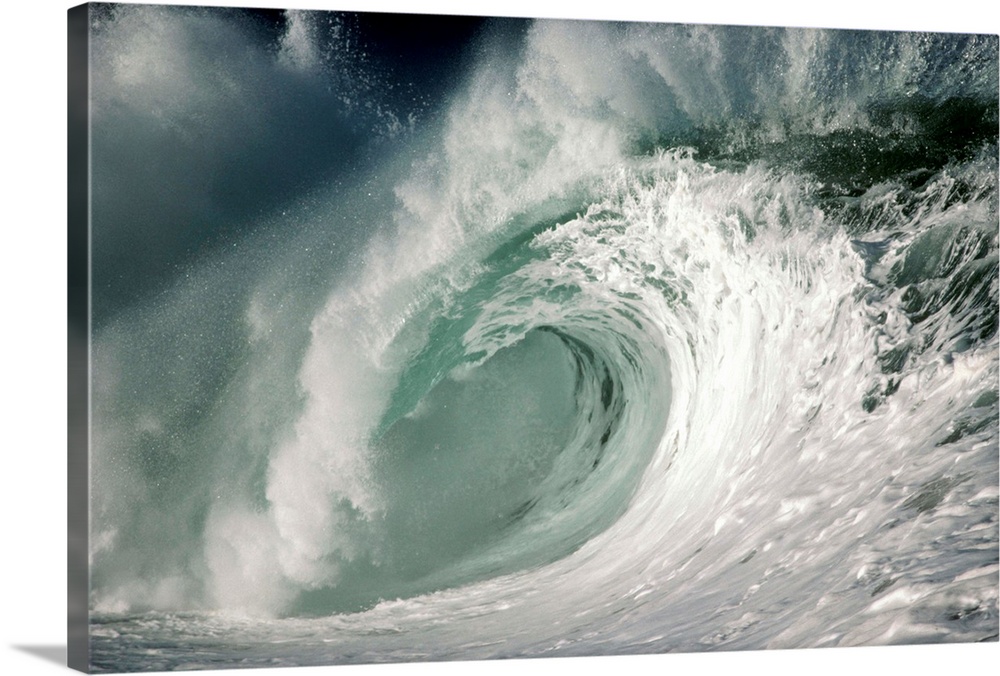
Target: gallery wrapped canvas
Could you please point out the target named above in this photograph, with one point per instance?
(425, 338)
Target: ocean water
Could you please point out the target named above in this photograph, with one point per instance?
(428, 339)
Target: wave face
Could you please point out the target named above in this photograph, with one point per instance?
(627, 338)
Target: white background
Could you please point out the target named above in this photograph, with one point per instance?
(33, 331)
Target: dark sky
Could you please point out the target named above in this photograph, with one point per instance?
(214, 136)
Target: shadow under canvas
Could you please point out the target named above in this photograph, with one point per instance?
(50, 653)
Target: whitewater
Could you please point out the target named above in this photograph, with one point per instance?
(626, 338)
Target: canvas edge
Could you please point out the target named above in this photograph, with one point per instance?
(79, 335)
(78, 339)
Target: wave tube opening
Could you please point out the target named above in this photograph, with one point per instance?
(482, 465)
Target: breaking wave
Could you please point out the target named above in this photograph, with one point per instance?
(648, 338)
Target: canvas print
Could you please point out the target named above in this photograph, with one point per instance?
(411, 337)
